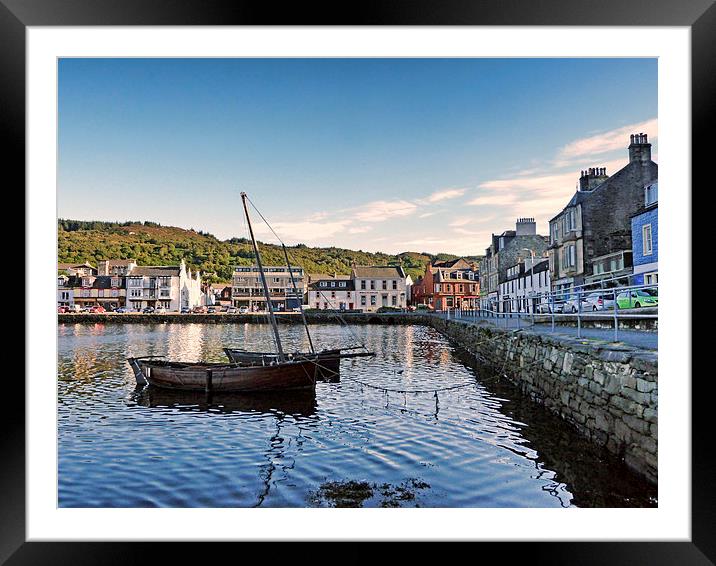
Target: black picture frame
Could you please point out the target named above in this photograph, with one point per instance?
(17, 15)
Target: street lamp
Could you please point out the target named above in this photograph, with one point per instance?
(532, 264)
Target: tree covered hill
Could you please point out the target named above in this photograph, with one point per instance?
(153, 244)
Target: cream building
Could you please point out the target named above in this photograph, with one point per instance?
(379, 286)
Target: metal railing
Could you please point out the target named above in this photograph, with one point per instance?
(591, 301)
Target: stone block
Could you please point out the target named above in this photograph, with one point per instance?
(645, 386)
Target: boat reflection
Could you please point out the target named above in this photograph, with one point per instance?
(295, 403)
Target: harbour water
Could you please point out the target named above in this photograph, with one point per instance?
(359, 442)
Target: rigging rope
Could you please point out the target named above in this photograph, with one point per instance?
(340, 318)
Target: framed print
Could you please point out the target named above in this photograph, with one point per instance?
(392, 278)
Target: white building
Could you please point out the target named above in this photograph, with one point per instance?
(78, 269)
(169, 287)
(331, 292)
(527, 285)
(375, 287)
(65, 293)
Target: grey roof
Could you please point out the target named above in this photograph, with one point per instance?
(155, 271)
(385, 271)
(316, 285)
(99, 281)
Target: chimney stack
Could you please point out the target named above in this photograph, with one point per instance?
(592, 177)
(639, 148)
(526, 227)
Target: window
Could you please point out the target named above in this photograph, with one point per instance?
(362, 284)
(569, 256)
(646, 239)
(651, 278)
(362, 300)
(372, 285)
(372, 300)
(333, 283)
(395, 285)
(385, 285)
(342, 284)
(651, 194)
(394, 300)
(570, 220)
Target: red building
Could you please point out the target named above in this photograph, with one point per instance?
(448, 284)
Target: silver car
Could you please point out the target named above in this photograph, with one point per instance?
(600, 301)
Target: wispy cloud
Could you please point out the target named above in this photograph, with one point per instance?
(607, 141)
(461, 220)
(381, 210)
(445, 194)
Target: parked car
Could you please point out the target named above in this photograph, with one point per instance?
(97, 309)
(546, 307)
(636, 299)
(572, 305)
(148, 310)
(121, 310)
(232, 310)
(211, 310)
(185, 310)
(199, 310)
(63, 308)
(243, 310)
(600, 301)
(160, 310)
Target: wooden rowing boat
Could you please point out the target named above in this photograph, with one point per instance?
(248, 371)
(186, 376)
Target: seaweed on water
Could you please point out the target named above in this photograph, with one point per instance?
(355, 493)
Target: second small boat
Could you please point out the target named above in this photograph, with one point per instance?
(327, 362)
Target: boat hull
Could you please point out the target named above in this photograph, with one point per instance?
(327, 362)
(300, 374)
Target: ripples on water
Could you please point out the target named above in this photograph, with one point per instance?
(481, 446)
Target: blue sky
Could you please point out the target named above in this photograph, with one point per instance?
(374, 154)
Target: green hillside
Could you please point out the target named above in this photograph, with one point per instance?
(152, 244)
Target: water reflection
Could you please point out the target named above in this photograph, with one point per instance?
(294, 403)
(483, 445)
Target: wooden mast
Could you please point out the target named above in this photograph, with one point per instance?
(272, 316)
(300, 300)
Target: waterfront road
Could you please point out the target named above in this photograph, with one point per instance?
(646, 340)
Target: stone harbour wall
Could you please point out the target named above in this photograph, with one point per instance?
(608, 392)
